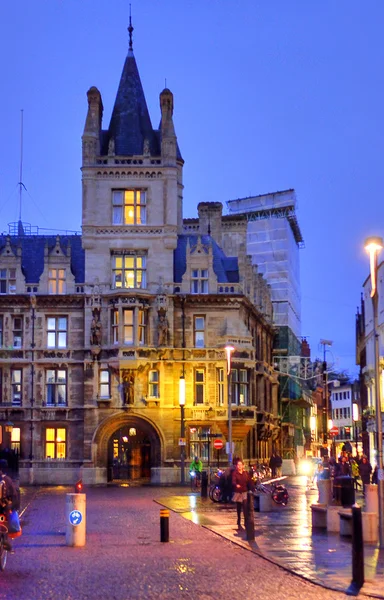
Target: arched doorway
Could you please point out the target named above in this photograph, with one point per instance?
(133, 448)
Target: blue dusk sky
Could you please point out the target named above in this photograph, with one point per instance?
(269, 95)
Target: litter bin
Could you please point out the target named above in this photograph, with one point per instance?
(344, 490)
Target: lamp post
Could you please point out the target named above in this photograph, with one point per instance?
(228, 350)
(182, 427)
(374, 245)
(326, 415)
(355, 417)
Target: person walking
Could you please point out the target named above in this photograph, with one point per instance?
(365, 470)
(241, 483)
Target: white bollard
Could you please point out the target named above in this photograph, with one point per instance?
(325, 491)
(371, 498)
(75, 519)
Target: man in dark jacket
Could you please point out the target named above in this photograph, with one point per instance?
(365, 470)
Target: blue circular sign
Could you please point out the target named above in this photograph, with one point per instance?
(75, 517)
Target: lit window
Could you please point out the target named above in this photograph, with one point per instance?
(17, 332)
(57, 332)
(104, 384)
(220, 387)
(7, 281)
(142, 327)
(128, 326)
(55, 443)
(56, 281)
(199, 442)
(199, 331)
(240, 386)
(115, 326)
(199, 386)
(153, 385)
(16, 386)
(199, 281)
(129, 271)
(129, 207)
(56, 387)
(15, 439)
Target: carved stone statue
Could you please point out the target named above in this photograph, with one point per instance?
(96, 329)
(111, 147)
(128, 387)
(162, 328)
(146, 147)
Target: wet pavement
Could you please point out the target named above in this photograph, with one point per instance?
(285, 537)
(123, 558)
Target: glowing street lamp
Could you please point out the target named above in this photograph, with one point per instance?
(373, 246)
(229, 350)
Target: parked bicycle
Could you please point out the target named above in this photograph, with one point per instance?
(3, 542)
(216, 487)
(278, 492)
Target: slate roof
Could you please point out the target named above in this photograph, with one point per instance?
(32, 254)
(226, 268)
(130, 122)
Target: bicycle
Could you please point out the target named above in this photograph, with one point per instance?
(195, 480)
(3, 542)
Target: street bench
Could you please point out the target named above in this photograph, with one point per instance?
(319, 515)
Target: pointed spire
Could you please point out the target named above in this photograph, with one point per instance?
(130, 31)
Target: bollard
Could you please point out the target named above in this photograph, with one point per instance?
(204, 484)
(357, 553)
(250, 520)
(75, 518)
(164, 525)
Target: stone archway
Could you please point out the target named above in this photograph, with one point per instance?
(128, 446)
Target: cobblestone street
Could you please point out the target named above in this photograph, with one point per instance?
(124, 559)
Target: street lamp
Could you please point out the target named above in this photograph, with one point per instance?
(228, 350)
(374, 245)
(326, 411)
(355, 417)
(182, 426)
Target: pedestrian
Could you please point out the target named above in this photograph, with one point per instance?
(241, 483)
(272, 464)
(375, 478)
(9, 498)
(279, 464)
(365, 470)
(355, 473)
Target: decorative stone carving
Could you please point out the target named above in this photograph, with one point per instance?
(128, 387)
(96, 329)
(162, 328)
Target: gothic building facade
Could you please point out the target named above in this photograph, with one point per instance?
(98, 330)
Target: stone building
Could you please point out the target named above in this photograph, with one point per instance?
(98, 329)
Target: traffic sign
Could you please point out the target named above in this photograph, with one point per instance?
(334, 431)
(218, 444)
(182, 442)
(75, 517)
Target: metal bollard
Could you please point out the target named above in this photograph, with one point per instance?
(357, 553)
(75, 518)
(164, 525)
(204, 484)
(250, 521)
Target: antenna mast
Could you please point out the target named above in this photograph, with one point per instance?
(21, 185)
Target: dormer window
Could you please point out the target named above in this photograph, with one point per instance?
(56, 281)
(7, 281)
(129, 207)
(199, 281)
